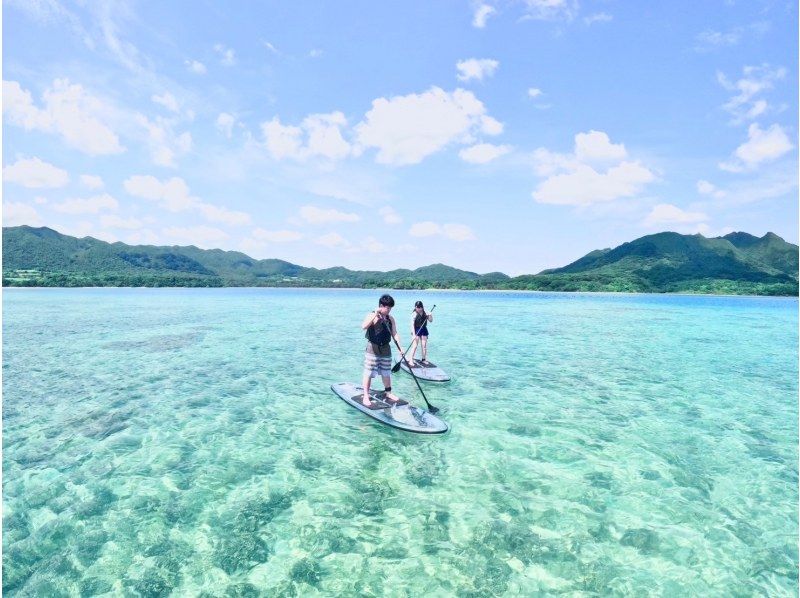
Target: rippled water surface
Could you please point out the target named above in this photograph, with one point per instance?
(187, 441)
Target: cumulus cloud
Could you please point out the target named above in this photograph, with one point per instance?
(761, 146)
(667, 214)
(452, 231)
(227, 56)
(483, 153)
(390, 216)
(332, 240)
(174, 195)
(319, 135)
(534, 92)
(599, 17)
(596, 147)
(68, 111)
(596, 172)
(225, 124)
(481, 15)
(88, 205)
(706, 188)
(407, 129)
(315, 215)
(17, 213)
(196, 67)
(165, 144)
(92, 181)
(35, 174)
(551, 10)
(167, 100)
(474, 68)
(756, 81)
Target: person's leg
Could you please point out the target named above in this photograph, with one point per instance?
(387, 384)
(412, 352)
(366, 378)
(424, 349)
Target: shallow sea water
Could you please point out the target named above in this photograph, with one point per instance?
(186, 441)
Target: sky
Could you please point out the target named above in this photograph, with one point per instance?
(508, 136)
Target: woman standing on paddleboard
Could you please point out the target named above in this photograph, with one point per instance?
(380, 329)
(419, 331)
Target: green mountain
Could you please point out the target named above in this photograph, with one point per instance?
(664, 262)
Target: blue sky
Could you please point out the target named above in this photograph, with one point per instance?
(491, 136)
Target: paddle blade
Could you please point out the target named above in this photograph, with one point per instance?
(433, 410)
(396, 368)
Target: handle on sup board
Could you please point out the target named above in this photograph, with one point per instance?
(425, 323)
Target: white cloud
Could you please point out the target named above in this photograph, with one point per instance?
(35, 174)
(88, 205)
(711, 39)
(407, 129)
(165, 144)
(534, 92)
(227, 55)
(483, 153)
(332, 240)
(92, 181)
(761, 146)
(482, 13)
(319, 135)
(706, 188)
(206, 237)
(474, 68)
(546, 10)
(316, 215)
(578, 179)
(276, 236)
(173, 194)
(68, 110)
(595, 146)
(599, 17)
(225, 124)
(214, 213)
(390, 216)
(585, 186)
(458, 232)
(491, 126)
(167, 100)
(664, 214)
(270, 47)
(196, 67)
(17, 213)
(757, 80)
(455, 232)
(114, 221)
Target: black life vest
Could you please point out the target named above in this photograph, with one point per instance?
(380, 333)
(420, 321)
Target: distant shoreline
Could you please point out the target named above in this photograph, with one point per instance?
(432, 290)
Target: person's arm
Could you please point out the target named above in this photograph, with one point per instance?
(430, 317)
(372, 318)
(413, 323)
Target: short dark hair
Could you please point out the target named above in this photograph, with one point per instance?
(386, 301)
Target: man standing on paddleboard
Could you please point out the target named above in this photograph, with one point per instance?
(380, 328)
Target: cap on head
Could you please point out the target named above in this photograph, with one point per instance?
(418, 304)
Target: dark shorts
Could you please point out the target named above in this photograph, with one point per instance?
(423, 331)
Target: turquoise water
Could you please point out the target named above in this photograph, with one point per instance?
(187, 441)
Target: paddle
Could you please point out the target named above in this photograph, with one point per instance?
(396, 366)
(431, 408)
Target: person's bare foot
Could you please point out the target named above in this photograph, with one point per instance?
(390, 397)
(366, 402)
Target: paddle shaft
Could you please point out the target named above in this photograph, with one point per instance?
(431, 408)
(416, 334)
